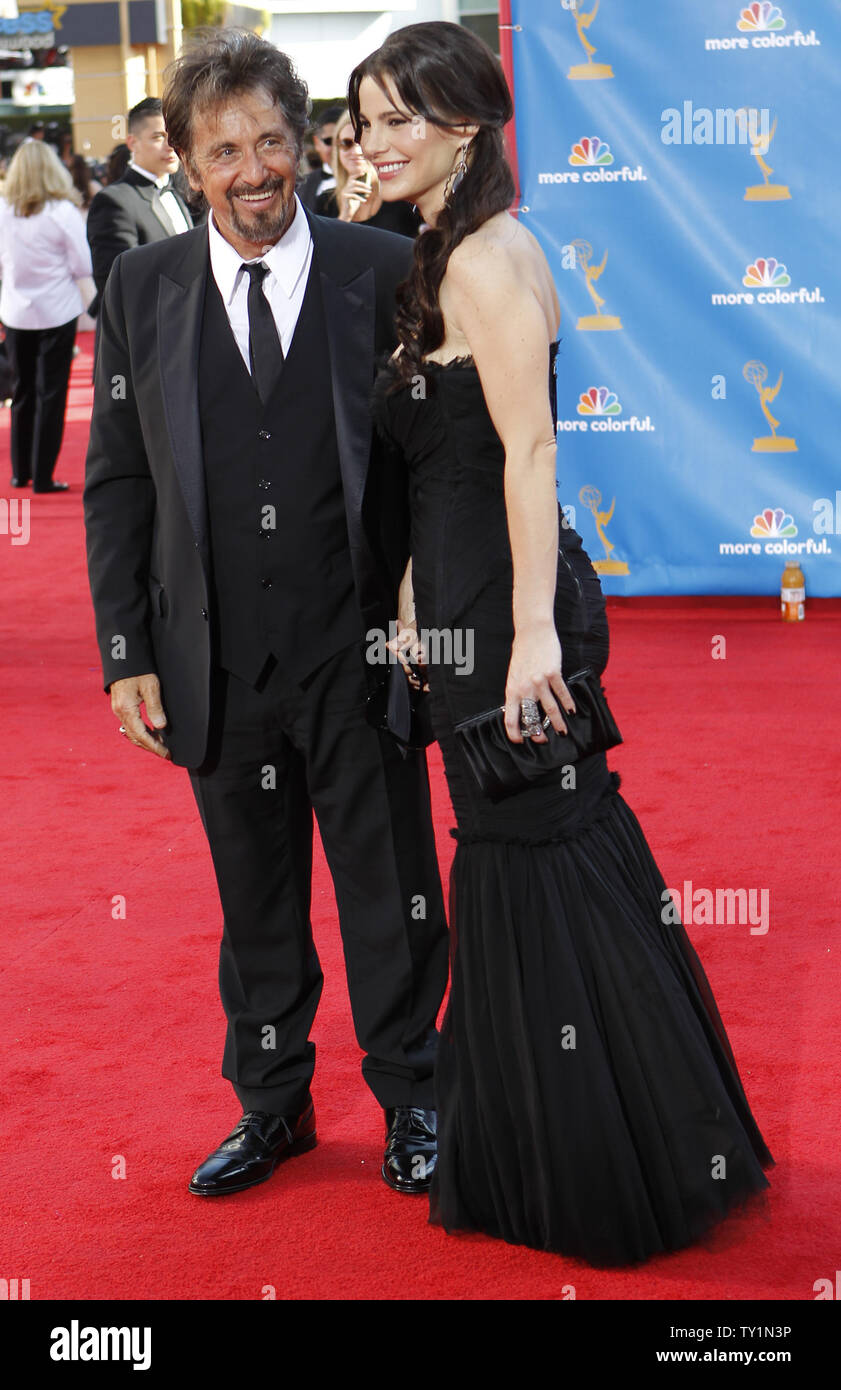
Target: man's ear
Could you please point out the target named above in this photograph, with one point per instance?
(189, 170)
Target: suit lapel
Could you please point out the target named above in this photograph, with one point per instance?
(349, 297)
(179, 320)
(183, 206)
(157, 207)
(148, 191)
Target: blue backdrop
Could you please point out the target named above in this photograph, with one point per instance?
(679, 165)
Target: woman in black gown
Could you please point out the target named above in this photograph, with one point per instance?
(588, 1099)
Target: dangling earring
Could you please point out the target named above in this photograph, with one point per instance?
(455, 175)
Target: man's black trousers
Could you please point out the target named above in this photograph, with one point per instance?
(276, 754)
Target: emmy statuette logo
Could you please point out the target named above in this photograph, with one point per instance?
(592, 500)
(757, 373)
(766, 192)
(588, 71)
(598, 321)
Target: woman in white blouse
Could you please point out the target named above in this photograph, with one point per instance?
(43, 252)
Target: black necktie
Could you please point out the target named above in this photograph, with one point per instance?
(264, 348)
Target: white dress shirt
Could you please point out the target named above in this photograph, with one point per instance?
(169, 202)
(328, 181)
(41, 258)
(289, 264)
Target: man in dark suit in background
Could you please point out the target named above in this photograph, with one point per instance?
(145, 205)
(318, 180)
(241, 542)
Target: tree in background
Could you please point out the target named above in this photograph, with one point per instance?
(197, 14)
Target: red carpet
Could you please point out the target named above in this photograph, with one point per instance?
(112, 1029)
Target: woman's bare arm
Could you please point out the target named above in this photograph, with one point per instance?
(488, 291)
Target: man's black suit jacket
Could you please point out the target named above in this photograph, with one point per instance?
(145, 504)
(307, 189)
(122, 216)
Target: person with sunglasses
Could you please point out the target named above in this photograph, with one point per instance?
(321, 177)
(355, 195)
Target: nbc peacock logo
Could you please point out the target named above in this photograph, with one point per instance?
(591, 161)
(591, 151)
(599, 401)
(765, 272)
(772, 524)
(761, 15)
(760, 25)
(597, 410)
(772, 533)
(766, 281)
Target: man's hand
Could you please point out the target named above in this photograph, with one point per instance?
(126, 698)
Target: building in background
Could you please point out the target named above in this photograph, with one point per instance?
(36, 79)
(482, 16)
(327, 38)
(82, 64)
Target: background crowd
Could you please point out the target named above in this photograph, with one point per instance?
(64, 218)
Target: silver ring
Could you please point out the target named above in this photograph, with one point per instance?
(529, 711)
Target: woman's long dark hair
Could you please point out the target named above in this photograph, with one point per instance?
(447, 75)
(80, 173)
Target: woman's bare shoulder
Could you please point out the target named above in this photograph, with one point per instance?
(502, 244)
(504, 252)
(495, 240)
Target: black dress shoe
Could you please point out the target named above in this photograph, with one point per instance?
(53, 487)
(411, 1150)
(21, 482)
(253, 1150)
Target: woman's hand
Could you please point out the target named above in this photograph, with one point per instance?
(534, 673)
(353, 196)
(409, 648)
(407, 645)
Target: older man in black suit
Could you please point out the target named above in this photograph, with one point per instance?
(144, 205)
(241, 542)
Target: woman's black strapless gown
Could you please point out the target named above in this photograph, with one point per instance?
(588, 1098)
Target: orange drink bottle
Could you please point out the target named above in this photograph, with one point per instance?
(793, 593)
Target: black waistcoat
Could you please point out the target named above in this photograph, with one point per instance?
(282, 577)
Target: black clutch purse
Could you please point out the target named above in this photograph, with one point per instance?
(502, 768)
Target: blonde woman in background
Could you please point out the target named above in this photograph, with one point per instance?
(356, 196)
(43, 252)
